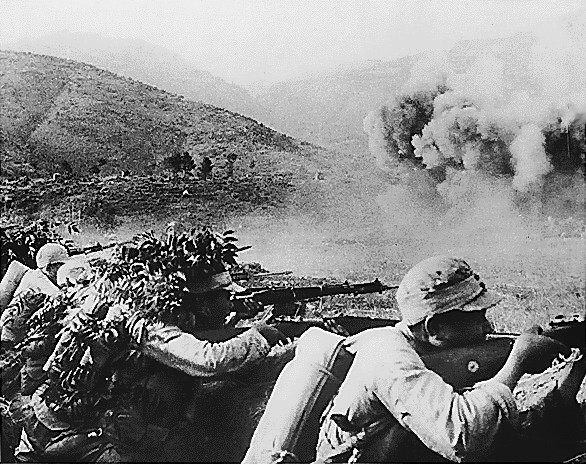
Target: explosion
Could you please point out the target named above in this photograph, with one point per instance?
(517, 112)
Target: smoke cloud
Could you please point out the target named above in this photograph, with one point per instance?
(517, 111)
(487, 177)
(530, 159)
(493, 169)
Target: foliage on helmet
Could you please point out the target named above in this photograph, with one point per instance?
(153, 276)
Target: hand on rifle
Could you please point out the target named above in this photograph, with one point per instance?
(534, 352)
(271, 334)
(245, 308)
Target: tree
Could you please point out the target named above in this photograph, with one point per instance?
(206, 167)
(66, 168)
(230, 160)
(179, 162)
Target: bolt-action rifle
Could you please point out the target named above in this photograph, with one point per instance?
(283, 297)
(73, 251)
(461, 367)
(247, 275)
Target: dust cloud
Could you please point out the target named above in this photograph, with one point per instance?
(505, 201)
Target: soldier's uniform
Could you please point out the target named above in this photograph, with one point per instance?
(153, 418)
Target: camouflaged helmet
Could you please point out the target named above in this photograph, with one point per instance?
(440, 284)
(219, 281)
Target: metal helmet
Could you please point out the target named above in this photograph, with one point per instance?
(51, 253)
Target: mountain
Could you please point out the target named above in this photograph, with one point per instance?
(329, 108)
(58, 112)
(146, 62)
(111, 137)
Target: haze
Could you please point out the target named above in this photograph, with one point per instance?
(260, 42)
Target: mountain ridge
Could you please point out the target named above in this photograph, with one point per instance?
(146, 62)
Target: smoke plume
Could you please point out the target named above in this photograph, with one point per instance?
(518, 111)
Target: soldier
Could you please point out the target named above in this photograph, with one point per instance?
(34, 289)
(150, 416)
(50, 257)
(25, 373)
(391, 407)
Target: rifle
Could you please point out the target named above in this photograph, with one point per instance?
(283, 297)
(73, 251)
(461, 367)
(246, 275)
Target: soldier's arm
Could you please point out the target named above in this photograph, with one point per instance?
(454, 425)
(170, 346)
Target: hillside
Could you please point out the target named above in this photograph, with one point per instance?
(329, 108)
(146, 62)
(64, 115)
(109, 138)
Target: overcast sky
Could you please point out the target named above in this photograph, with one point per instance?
(250, 41)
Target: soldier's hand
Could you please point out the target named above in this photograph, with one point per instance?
(271, 334)
(534, 352)
(251, 307)
(246, 307)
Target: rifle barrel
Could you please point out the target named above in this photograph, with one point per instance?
(497, 335)
(94, 248)
(276, 295)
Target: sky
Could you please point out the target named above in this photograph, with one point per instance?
(250, 42)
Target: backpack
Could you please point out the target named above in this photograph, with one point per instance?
(289, 428)
(9, 283)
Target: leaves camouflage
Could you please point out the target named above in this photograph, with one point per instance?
(146, 283)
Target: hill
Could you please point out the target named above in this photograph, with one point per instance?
(64, 115)
(328, 108)
(146, 62)
(110, 138)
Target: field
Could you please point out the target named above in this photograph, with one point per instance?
(335, 231)
(535, 264)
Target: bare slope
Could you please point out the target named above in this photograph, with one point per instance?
(57, 111)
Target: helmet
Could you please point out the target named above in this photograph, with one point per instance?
(51, 253)
(440, 284)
